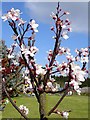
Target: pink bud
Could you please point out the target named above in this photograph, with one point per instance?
(69, 23)
(52, 28)
(70, 29)
(54, 17)
(66, 13)
(60, 10)
(17, 19)
(67, 20)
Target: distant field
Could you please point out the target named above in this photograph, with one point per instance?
(78, 105)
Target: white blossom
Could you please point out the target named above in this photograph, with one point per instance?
(63, 26)
(84, 59)
(70, 93)
(79, 74)
(10, 88)
(84, 51)
(29, 51)
(70, 58)
(33, 25)
(40, 70)
(15, 62)
(5, 17)
(65, 114)
(49, 84)
(65, 36)
(12, 14)
(66, 12)
(23, 109)
(7, 101)
(33, 49)
(11, 56)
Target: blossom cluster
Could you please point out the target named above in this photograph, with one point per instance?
(28, 51)
(77, 77)
(52, 85)
(82, 55)
(64, 114)
(60, 51)
(62, 25)
(15, 16)
(63, 50)
(12, 14)
(40, 70)
(24, 109)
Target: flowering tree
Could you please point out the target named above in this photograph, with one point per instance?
(36, 76)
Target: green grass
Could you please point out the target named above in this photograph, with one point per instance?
(78, 105)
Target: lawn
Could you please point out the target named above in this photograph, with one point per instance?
(78, 105)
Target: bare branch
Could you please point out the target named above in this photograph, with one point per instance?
(60, 100)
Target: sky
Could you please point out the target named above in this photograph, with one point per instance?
(40, 11)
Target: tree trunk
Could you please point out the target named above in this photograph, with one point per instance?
(42, 106)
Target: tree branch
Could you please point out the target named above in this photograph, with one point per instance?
(14, 105)
(56, 46)
(51, 111)
(53, 92)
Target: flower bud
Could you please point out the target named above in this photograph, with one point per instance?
(52, 28)
(66, 13)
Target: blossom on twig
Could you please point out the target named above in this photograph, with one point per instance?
(33, 25)
(23, 109)
(12, 14)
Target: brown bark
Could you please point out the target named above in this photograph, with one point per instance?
(42, 106)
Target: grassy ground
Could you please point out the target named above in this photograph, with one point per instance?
(78, 105)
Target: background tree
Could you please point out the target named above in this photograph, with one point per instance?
(11, 71)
